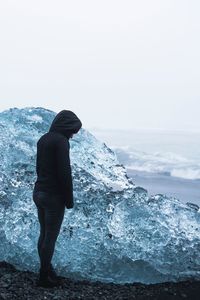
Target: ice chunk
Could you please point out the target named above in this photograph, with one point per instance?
(115, 232)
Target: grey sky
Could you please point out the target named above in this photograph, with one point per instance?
(117, 64)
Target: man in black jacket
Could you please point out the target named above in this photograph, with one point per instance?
(53, 189)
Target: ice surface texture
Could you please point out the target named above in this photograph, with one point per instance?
(115, 232)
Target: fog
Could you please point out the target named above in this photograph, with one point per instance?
(117, 64)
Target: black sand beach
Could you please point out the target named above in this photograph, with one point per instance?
(15, 284)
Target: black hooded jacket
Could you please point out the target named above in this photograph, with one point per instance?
(53, 162)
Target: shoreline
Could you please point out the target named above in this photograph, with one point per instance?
(186, 190)
(16, 284)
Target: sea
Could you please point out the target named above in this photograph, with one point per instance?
(161, 161)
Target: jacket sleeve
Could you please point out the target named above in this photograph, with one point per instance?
(64, 172)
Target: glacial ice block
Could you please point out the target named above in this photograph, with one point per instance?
(115, 232)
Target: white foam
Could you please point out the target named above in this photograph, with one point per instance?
(186, 173)
(167, 162)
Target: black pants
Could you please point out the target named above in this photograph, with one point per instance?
(50, 214)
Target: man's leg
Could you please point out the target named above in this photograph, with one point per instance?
(41, 218)
(53, 217)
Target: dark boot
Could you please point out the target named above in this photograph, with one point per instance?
(45, 280)
(53, 275)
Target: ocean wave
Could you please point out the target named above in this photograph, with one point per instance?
(186, 173)
(168, 163)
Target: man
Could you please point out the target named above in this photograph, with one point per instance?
(53, 189)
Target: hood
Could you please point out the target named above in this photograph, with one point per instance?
(66, 122)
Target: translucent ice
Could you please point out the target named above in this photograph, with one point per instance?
(115, 232)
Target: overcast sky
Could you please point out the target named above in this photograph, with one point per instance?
(116, 64)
